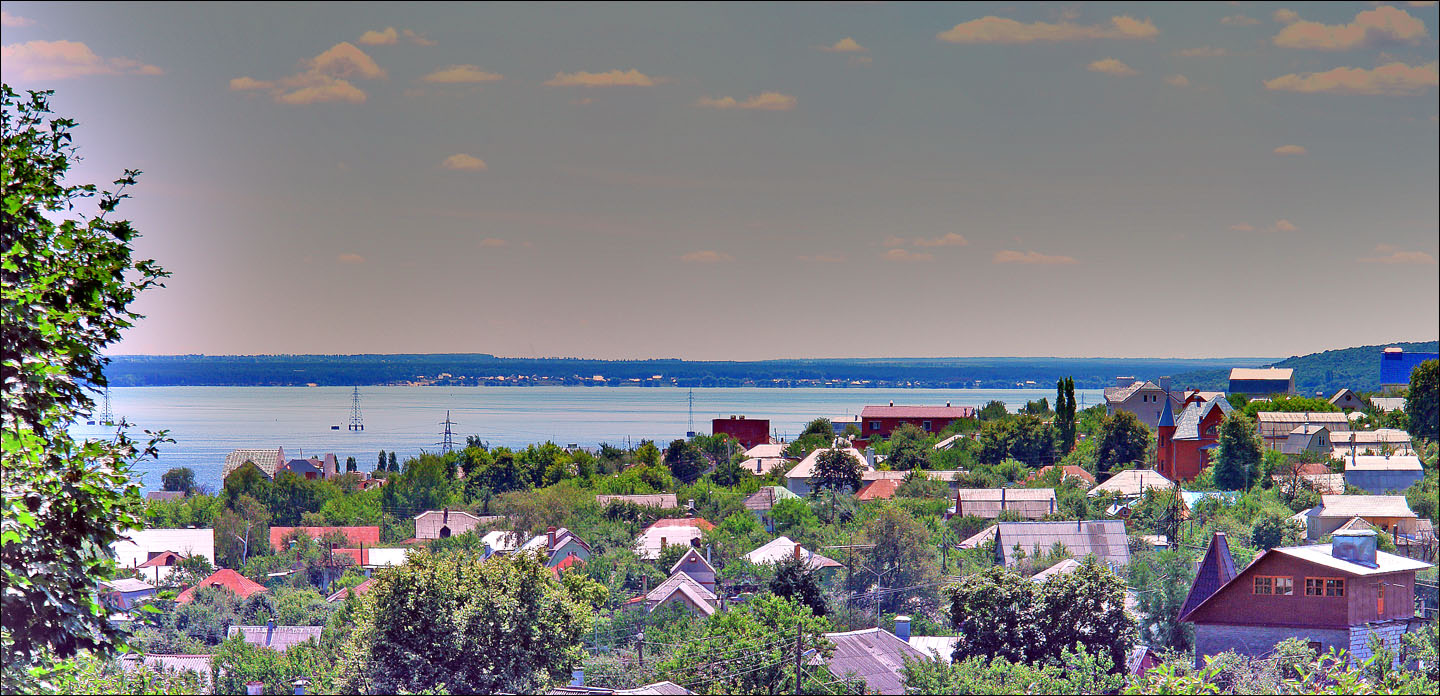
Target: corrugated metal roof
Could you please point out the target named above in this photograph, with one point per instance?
(128, 585)
(277, 637)
(1320, 555)
(941, 647)
(806, 468)
(1132, 482)
(875, 655)
(988, 503)
(766, 450)
(765, 498)
(1348, 506)
(1376, 462)
(1388, 403)
(781, 548)
(1104, 538)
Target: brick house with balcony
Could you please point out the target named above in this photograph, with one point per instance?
(1334, 595)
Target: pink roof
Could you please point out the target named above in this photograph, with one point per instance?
(359, 536)
(682, 522)
(162, 560)
(933, 412)
(239, 584)
(879, 489)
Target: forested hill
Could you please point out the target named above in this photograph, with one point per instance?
(476, 368)
(1327, 372)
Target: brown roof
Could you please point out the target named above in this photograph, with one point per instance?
(357, 590)
(1216, 569)
(1348, 506)
(879, 489)
(237, 583)
(933, 412)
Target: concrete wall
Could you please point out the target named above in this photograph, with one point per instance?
(1259, 641)
(1390, 633)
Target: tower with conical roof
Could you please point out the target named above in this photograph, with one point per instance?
(1165, 434)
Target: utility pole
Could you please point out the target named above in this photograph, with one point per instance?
(798, 636)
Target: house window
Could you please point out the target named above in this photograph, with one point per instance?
(874, 426)
(926, 425)
(1324, 587)
(1274, 585)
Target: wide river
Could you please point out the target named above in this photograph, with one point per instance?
(209, 422)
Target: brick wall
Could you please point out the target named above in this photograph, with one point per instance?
(1259, 641)
(1389, 631)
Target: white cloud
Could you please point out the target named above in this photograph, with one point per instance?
(461, 74)
(1379, 25)
(1388, 254)
(324, 78)
(613, 78)
(389, 36)
(1110, 66)
(765, 101)
(1032, 258)
(1391, 79)
(1290, 150)
(1177, 81)
(1000, 30)
(1285, 16)
(13, 21)
(845, 45)
(1284, 226)
(462, 162)
(707, 256)
(350, 258)
(63, 60)
(907, 256)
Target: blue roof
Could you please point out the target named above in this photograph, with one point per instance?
(1167, 417)
(1395, 367)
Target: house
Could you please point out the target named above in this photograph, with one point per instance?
(1105, 539)
(1396, 366)
(988, 503)
(664, 501)
(761, 502)
(277, 638)
(1390, 513)
(164, 560)
(1317, 476)
(1184, 443)
(558, 544)
(267, 460)
(1307, 439)
(1141, 659)
(125, 593)
(242, 586)
(697, 567)
(441, 524)
(371, 558)
(1383, 474)
(578, 688)
(348, 592)
(691, 584)
(780, 548)
(1333, 596)
(165, 495)
(880, 421)
(1378, 441)
(749, 432)
(764, 458)
(1067, 471)
(1387, 404)
(798, 478)
(875, 655)
(357, 536)
(933, 647)
(1132, 483)
(1144, 399)
(1348, 400)
(842, 423)
(138, 546)
(1262, 381)
(878, 489)
(1275, 426)
(313, 468)
(665, 532)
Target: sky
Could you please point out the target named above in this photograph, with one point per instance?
(756, 181)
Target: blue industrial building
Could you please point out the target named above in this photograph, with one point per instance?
(1396, 364)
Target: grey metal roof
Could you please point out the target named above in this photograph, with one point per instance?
(875, 655)
(1348, 506)
(1104, 538)
(1385, 562)
(1132, 482)
(277, 637)
(765, 498)
(1187, 426)
(988, 503)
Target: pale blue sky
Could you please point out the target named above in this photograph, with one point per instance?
(986, 179)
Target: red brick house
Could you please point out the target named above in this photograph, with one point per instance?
(749, 431)
(1333, 595)
(880, 421)
(1184, 444)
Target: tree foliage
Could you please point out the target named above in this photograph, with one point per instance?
(1422, 402)
(68, 282)
(180, 479)
(1123, 440)
(1238, 453)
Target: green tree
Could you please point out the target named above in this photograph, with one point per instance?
(237, 662)
(180, 479)
(92, 674)
(994, 613)
(1123, 440)
(835, 470)
(393, 467)
(1077, 672)
(821, 427)
(1237, 454)
(796, 580)
(351, 466)
(1024, 437)
(909, 448)
(1422, 402)
(241, 532)
(380, 462)
(749, 649)
(1163, 579)
(247, 480)
(1065, 413)
(68, 281)
(685, 460)
(1085, 606)
(453, 622)
(1273, 530)
(647, 453)
(902, 557)
(993, 410)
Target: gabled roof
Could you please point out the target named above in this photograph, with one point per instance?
(1132, 482)
(806, 468)
(268, 460)
(1376, 462)
(693, 592)
(128, 585)
(875, 655)
(691, 554)
(1341, 395)
(766, 451)
(878, 489)
(780, 548)
(357, 590)
(1216, 570)
(162, 560)
(237, 583)
(988, 503)
(932, 412)
(676, 579)
(1262, 373)
(1105, 539)
(1348, 506)
(670, 531)
(765, 498)
(1187, 426)
(277, 637)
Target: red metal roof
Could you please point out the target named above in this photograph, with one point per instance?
(359, 536)
(933, 412)
(162, 560)
(357, 590)
(568, 562)
(879, 489)
(237, 583)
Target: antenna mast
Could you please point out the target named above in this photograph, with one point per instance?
(357, 423)
(447, 443)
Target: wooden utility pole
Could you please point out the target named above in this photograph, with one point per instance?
(798, 636)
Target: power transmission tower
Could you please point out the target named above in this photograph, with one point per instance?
(357, 423)
(447, 442)
(691, 431)
(106, 417)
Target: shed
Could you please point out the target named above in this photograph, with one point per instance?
(1105, 539)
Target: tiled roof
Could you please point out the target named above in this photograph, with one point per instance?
(237, 583)
(932, 412)
(780, 548)
(1105, 539)
(1187, 426)
(875, 655)
(1132, 482)
(359, 536)
(267, 459)
(277, 637)
(1348, 506)
(162, 559)
(879, 489)
(1215, 571)
(357, 590)
(665, 501)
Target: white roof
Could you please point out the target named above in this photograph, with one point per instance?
(1132, 482)
(127, 585)
(1261, 373)
(766, 450)
(942, 647)
(1385, 562)
(806, 468)
(1066, 566)
(386, 557)
(782, 548)
(1348, 506)
(500, 540)
(1377, 462)
(1393, 436)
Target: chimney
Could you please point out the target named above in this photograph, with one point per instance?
(662, 544)
(892, 402)
(446, 517)
(577, 677)
(690, 508)
(1354, 545)
(550, 539)
(1052, 503)
(254, 688)
(797, 552)
(902, 628)
(1165, 385)
(947, 404)
(1002, 500)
